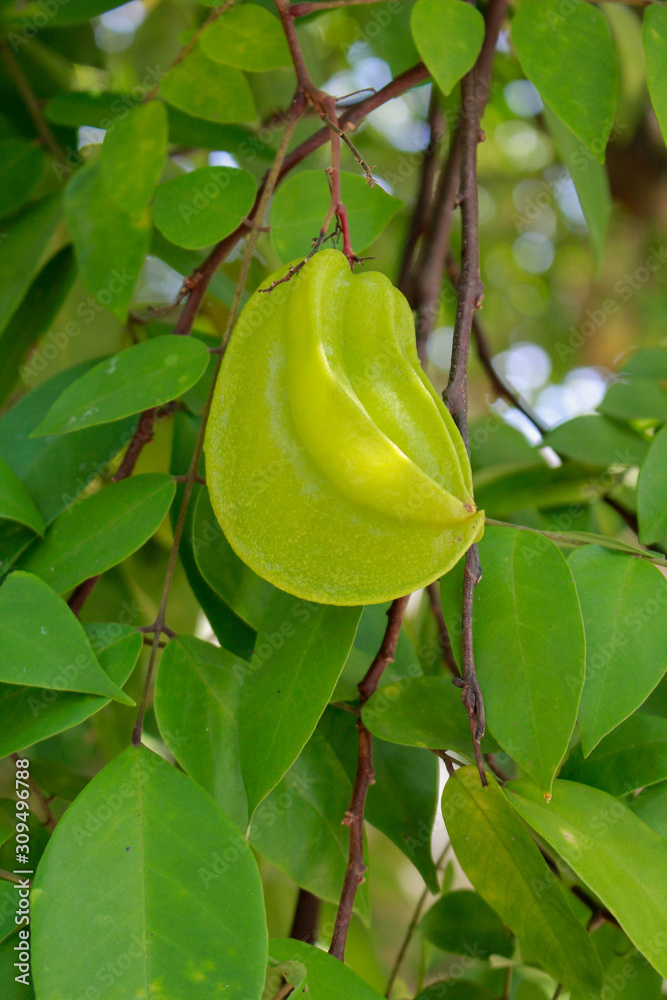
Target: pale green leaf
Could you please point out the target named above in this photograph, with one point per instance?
(124, 874)
(449, 36)
(206, 89)
(247, 36)
(518, 885)
(133, 155)
(144, 375)
(203, 206)
(632, 756)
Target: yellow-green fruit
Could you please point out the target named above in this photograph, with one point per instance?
(333, 466)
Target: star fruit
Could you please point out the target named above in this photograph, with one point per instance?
(333, 466)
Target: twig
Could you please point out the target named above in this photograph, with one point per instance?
(508, 983)
(49, 821)
(471, 290)
(433, 592)
(10, 877)
(306, 916)
(160, 618)
(354, 817)
(557, 993)
(216, 12)
(411, 927)
(32, 104)
(494, 766)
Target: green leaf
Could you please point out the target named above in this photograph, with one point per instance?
(248, 37)
(518, 884)
(421, 712)
(12, 988)
(402, 801)
(649, 362)
(652, 492)
(197, 696)
(655, 44)
(16, 503)
(110, 244)
(33, 318)
(19, 263)
(28, 715)
(328, 979)
(637, 397)
(458, 989)
(203, 206)
(527, 617)
(633, 756)
(651, 807)
(625, 970)
(73, 12)
(245, 592)
(463, 924)
(502, 490)
(100, 531)
(590, 180)
(44, 645)
(593, 438)
(21, 164)
(548, 38)
(622, 602)
(133, 154)
(449, 36)
(125, 876)
(299, 826)
(300, 651)
(144, 375)
(300, 206)
(205, 89)
(617, 856)
(56, 469)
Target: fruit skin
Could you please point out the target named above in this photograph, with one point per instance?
(333, 466)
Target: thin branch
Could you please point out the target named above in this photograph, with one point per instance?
(433, 592)
(306, 916)
(159, 624)
(46, 136)
(354, 817)
(10, 877)
(47, 819)
(412, 927)
(508, 983)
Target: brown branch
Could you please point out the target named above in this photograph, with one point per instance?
(44, 132)
(354, 817)
(433, 592)
(306, 916)
(11, 877)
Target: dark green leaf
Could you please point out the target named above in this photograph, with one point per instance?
(205, 89)
(245, 592)
(457, 990)
(100, 531)
(55, 470)
(598, 440)
(197, 696)
(403, 799)
(110, 244)
(18, 262)
(328, 979)
(124, 874)
(300, 207)
(299, 828)
(21, 165)
(518, 885)
(623, 604)
(201, 207)
(617, 856)
(73, 12)
(625, 970)
(449, 36)
(652, 492)
(28, 715)
(44, 645)
(13, 988)
(144, 375)
(421, 712)
(655, 43)
(300, 651)
(33, 318)
(463, 924)
(502, 490)
(549, 37)
(635, 397)
(133, 155)
(651, 807)
(527, 621)
(16, 503)
(248, 37)
(633, 756)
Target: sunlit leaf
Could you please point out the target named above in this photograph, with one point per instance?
(203, 206)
